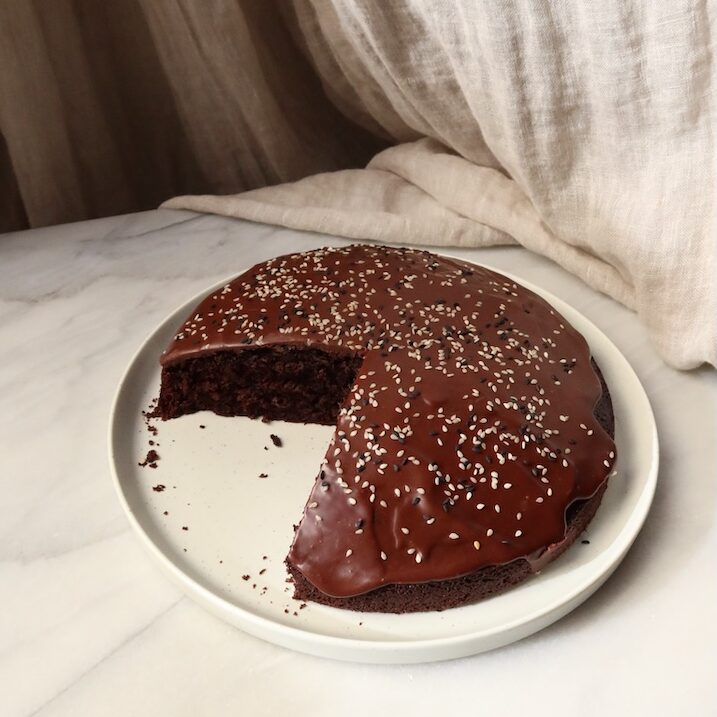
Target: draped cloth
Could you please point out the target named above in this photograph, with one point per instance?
(113, 107)
(582, 131)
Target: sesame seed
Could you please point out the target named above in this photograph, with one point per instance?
(454, 536)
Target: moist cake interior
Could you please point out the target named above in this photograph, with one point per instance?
(298, 384)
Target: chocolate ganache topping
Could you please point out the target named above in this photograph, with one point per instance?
(468, 430)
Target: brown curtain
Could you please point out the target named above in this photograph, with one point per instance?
(112, 107)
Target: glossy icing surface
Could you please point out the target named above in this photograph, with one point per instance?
(468, 431)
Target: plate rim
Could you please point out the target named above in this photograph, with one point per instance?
(401, 651)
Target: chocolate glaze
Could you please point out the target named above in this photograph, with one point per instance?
(469, 429)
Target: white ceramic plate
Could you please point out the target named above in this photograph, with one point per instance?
(240, 524)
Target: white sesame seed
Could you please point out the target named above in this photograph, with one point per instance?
(349, 553)
(454, 536)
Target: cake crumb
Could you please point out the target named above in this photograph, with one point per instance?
(262, 571)
(245, 577)
(201, 425)
(185, 527)
(150, 460)
(263, 475)
(276, 440)
(158, 488)
(585, 542)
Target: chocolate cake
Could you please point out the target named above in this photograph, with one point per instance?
(473, 437)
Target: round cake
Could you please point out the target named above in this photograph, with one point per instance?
(473, 431)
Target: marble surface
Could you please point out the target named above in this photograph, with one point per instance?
(89, 626)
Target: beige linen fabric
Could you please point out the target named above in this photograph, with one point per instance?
(113, 107)
(584, 131)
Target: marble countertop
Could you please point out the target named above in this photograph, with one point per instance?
(88, 624)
